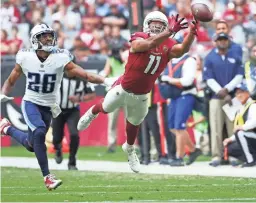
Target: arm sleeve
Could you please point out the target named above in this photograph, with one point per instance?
(188, 72)
(251, 121)
(213, 85)
(233, 83)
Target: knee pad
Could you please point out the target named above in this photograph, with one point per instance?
(39, 135)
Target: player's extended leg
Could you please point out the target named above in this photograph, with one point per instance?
(38, 119)
(19, 136)
(58, 125)
(114, 99)
(137, 110)
(72, 121)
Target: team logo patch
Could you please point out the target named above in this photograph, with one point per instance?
(165, 48)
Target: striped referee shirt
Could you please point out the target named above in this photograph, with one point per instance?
(72, 87)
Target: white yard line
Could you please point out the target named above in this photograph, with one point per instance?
(198, 168)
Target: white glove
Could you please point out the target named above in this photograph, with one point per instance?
(165, 78)
(4, 98)
(110, 81)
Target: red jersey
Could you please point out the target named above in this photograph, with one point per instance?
(143, 68)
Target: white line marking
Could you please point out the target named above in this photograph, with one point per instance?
(124, 186)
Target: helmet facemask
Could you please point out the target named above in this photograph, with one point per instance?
(156, 27)
(41, 42)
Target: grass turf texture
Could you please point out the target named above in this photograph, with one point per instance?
(84, 153)
(19, 185)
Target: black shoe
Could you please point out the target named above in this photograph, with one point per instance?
(111, 150)
(193, 156)
(72, 167)
(215, 163)
(177, 162)
(145, 162)
(165, 161)
(58, 156)
(249, 164)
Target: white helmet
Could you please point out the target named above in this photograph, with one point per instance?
(155, 16)
(36, 32)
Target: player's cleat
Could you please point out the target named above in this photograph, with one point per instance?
(51, 182)
(86, 119)
(4, 123)
(133, 160)
(249, 164)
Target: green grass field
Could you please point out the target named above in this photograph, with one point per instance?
(26, 185)
(84, 153)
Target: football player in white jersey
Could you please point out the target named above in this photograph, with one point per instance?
(43, 65)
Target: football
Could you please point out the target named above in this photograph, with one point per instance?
(201, 12)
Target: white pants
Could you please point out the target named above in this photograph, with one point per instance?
(136, 105)
(241, 138)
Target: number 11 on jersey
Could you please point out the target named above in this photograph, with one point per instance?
(152, 60)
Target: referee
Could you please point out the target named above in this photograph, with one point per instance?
(72, 92)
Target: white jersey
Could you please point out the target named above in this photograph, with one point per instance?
(43, 79)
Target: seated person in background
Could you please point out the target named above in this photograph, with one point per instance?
(242, 144)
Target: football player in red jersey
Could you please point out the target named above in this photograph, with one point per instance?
(150, 52)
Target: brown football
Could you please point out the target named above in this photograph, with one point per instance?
(202, 12)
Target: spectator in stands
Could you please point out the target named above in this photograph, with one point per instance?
(85, 37)
(107, 30)
(92, 17)
(222, 72)
(115, 17)
(116, 37)
(69, 19)
(29, 13)
(102, 8)
(9, 14)
(58, 28)
(5, 48)
(242, 144)
(16, 42)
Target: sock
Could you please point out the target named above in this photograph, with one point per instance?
(5, 129)
(40, 149)
(132, 132)
(98, 108)
(20, 137)
(74, 144)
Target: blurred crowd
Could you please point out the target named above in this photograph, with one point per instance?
(90, 27)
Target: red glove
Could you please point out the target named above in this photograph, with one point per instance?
(176, 24)
(194, 26)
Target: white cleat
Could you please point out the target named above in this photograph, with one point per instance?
(86, 119)
(4, 123)
(51, 182)
(133, 160)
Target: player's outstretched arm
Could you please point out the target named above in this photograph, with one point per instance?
(179, 50)
(11, 80)
(73, 69)
(142, 45)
